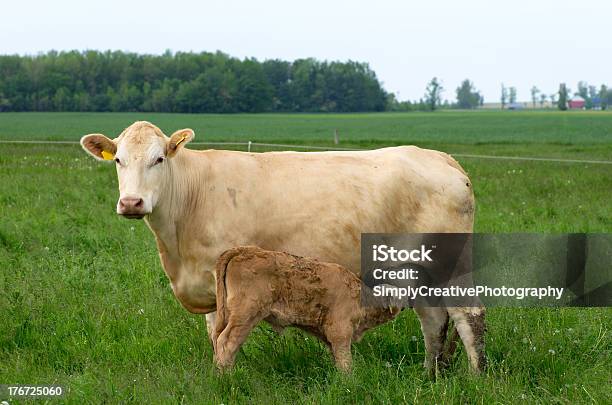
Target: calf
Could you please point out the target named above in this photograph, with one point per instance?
(286, 290)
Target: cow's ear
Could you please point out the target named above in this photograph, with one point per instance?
(99, 146)
(178, 140)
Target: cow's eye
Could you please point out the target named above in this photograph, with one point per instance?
(118, 161)
(159, 160)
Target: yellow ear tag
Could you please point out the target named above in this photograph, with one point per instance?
(180, 140)
(107, 155)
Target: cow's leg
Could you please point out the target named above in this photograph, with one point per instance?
(211, 320)
(434, 324)
(233, 336)
(470, 324)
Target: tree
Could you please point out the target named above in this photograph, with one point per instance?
(512, 96)
(562, 101)
(583, 90)
(504, 96)
(553, 98)
(467, 96)
(433, 94)
(593, 93)
(603, 97)
(255, 93)
(534, 95)
(543, 98)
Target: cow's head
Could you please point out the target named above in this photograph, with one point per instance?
(142, 155)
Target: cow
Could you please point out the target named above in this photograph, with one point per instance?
(324, 299)
(315, 204)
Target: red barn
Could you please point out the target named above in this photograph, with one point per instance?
(576, 103)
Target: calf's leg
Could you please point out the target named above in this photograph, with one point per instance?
(339, 337)
(232, 337)
(341, 350)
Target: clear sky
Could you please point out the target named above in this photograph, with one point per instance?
(519, 42)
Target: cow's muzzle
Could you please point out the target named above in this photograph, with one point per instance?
(131, 207)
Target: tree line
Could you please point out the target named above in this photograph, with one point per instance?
(217, 83)
(184, 82)
(595, 97)
(467, 97)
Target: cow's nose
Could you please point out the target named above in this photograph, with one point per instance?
(131, 207)
(130, 203)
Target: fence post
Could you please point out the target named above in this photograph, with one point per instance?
(336, 136)
(249, 146)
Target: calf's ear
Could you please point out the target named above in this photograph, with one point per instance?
(99, 146)
(178, 140)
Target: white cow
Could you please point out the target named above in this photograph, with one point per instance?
(200, 203)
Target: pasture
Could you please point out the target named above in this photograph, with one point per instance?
(84, 302)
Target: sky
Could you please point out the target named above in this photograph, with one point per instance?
(520, 43)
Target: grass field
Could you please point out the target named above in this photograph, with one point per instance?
(84, 302)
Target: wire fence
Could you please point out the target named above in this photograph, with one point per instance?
(250, 146)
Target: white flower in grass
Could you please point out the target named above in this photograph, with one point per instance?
(525, 340)
(556, 331)
(141, 311)
(132, 228)
(414, 338)
(551, 351)
(533, 348)
(570, 330)
(387, 364)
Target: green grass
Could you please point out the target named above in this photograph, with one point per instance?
(84, 302)
(377, 128)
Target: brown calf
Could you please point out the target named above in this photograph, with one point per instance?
(286, 290)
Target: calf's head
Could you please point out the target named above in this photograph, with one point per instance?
(142, 155)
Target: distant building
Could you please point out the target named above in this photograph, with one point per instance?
(515, 106)
(596, 103)
(576, 103)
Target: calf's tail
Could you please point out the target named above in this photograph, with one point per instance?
(221, 270)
